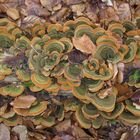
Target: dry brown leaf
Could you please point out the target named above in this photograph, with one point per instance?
(108, 13)
(8, 114)
(92, 11)
(84, 44)
(124, 11)
(57, 7)
(69, 2)
(36, 9)
(137, 11)
(29, 21)
(77, 56)
(134, 2)
(37, 136)
(63, 126)
(13, 13)
(21, 130)
(3, 8)
(59, 15)
(112, 14)
(104, 93)
(115, 71)
(80, 133)
(78, 8)
(64, 137)
(8, 1)
(136, 63)
(4, 132)
(124, 92)
(49, 4)
(6, 4)
(120, 76)
(108, 2)
(2, 109)
(23, 101)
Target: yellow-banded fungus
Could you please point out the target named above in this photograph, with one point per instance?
(73, 72)
(34, 110)
(54, 45)
(107, 49)
(132, 107)
(71, 104)
(93, 85)
(117, 28)
(84, 30)
(4, 70)
(34, 88)
(22, 75)
(38, 29)
(83, 69)
(46, 122)
(131, 53)
(134, 78)
(107, 103)
(129, 118)
(115, 113)
(12, 90)
(90, 111)
(68, 44)
(96, 71)
(40, 80)
(84, 122)
(54, 87)
(13, 121)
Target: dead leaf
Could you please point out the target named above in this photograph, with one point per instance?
(108, 2)
(23, 101)
(21, 130)
(136, 95)
(8, 114)
(80, 133)
(124, 92)
(29, 21)
(2, 109)
(78, 9)
(77, 56)
(92, 12)
(64, 137)
(124, 11)
(49, 4)
(6, 4)
(35, 9)
(69, 2)
(63, 126)
(112, 14)
(84, 44)
(4, 132)
(137, 11)
(104, 93)
(59, 15)
(136, 63)
(13, 13)
(37, 136)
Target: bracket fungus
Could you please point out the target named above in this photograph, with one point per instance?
(79, 67)
(34, 110)
(12, 90)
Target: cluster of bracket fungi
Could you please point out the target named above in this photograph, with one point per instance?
(89, 71)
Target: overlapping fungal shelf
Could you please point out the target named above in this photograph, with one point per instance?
(82, 68)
